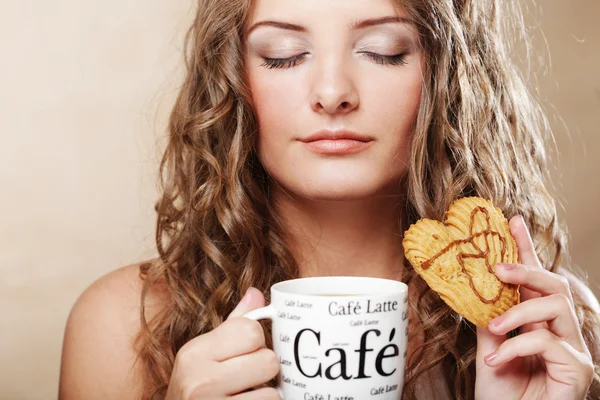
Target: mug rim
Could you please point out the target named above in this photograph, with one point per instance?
(372, 286)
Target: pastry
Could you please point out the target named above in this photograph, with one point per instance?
(457, 258)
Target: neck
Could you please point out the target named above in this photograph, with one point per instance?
(343, 238)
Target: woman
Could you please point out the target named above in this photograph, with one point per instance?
(307, 136)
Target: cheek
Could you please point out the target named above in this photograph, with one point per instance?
(273, 128)
(394, 106)
(399, 102)
(278, 103)
(276, 97)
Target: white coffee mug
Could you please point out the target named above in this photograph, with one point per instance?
(339, 338)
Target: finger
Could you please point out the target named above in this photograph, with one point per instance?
(535, 279)
(487, 343)
(541, 342)
(235, 337)
(519, 231)
(252, 299)
(249, 370)
(258, 394)
(555, 310)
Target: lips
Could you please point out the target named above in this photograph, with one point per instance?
(337, 135)
(337, 142)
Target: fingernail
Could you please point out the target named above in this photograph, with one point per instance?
(491, 357)
(507, 267)
(496, 322)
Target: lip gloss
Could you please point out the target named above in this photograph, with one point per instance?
(338, 146)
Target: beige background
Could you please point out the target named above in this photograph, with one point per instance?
(85, 90)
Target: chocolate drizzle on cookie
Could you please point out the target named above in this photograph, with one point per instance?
(480, 253)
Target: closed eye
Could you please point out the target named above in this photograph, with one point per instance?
(396, 59)
(285, 63)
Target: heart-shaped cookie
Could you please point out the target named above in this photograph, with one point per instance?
(457, 258)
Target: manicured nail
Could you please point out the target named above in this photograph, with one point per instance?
(491, 357)
(507, 267)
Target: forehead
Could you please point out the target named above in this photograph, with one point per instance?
(322, 10)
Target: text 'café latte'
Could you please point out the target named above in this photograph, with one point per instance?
(349, 345)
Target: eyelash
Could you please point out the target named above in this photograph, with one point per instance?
(284, 63)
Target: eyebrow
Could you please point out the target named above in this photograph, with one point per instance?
(360, 24)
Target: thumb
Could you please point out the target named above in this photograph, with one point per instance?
(487, 343)
(252, 299)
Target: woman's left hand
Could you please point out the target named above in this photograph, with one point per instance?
(549, 358)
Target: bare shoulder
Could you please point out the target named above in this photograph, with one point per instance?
(98, 349)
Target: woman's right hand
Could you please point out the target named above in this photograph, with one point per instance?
(227, 361)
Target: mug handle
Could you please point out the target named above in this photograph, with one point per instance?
(267, 312)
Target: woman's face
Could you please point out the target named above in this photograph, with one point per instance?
(339, 68)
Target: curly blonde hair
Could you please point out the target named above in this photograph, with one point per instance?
(478, 132)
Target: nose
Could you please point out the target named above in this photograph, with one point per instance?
(334, 90)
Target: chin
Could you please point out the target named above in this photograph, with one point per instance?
(336, 180)
(341, 189)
